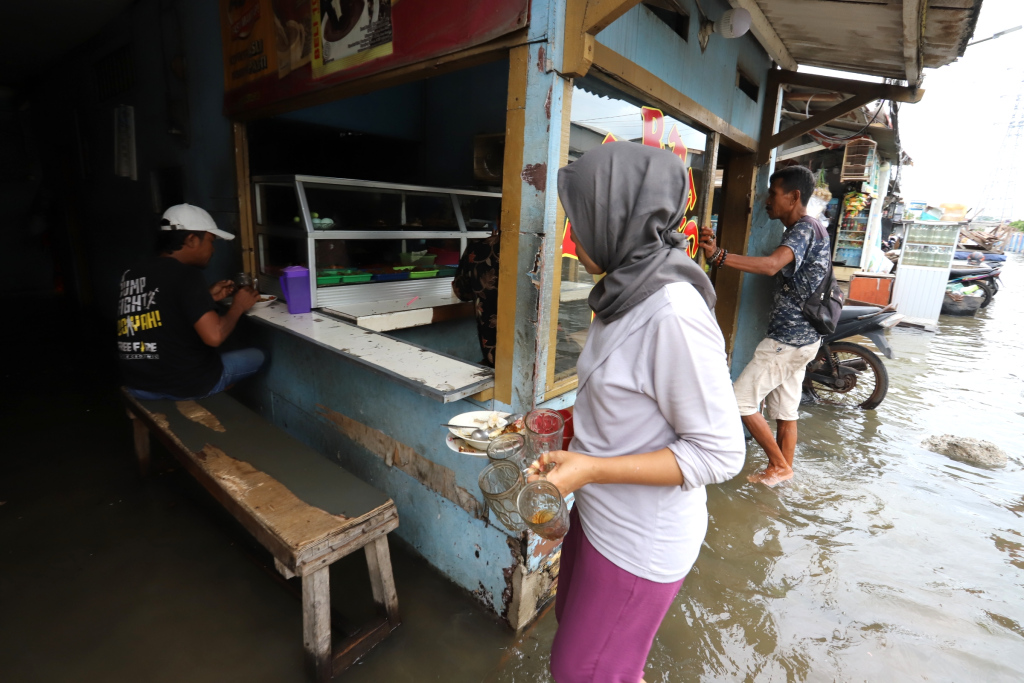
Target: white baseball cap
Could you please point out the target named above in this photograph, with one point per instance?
(188, 217)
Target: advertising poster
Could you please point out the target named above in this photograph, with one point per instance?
(293, 37)
(350, 32)
(247, 31)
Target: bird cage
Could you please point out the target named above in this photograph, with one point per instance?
(859, 161)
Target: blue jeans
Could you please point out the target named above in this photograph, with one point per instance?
(237, 366)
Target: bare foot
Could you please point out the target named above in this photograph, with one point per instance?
(771, 476)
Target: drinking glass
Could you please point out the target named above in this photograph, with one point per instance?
(543, 509)
(501, 483)
(508, 447)
(544, 429)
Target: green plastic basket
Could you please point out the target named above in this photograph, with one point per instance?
(421, 274)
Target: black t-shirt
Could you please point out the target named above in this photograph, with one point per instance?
(158, 346)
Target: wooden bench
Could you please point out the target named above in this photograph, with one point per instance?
(306, 510)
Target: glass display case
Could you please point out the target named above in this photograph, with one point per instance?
(366, 241)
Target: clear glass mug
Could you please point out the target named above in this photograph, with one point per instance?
(544, 430)
(501, 482)
(542, 508)
(508, 447)
(245, 280)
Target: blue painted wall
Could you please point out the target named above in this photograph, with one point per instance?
(709, 78)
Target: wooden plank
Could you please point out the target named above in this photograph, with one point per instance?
(511, 204)
(734, 235)
(353, 648)
(765, 34)
(288, 527)
(578, 45)
(247, 237)
(346, 543)
(914, 12)
(881, 91)
(707, 189)
(601, 13)
(634, 80)
(382, 582)
(493, 51)
(316, 625)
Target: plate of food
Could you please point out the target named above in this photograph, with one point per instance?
(264, 300)
(486, 420)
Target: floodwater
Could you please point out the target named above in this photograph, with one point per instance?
(880, 561)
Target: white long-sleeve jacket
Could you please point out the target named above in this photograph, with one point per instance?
(656, 378)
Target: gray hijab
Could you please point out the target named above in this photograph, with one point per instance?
(625, 202)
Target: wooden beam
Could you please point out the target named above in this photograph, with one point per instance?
(770, 114)
(247, 239)
(707, 190)
(645, 86)
(472, 56)
(881, 91)
(556, 284)
(765, 34)
(511, 205)
(816, 121)
(601, 13)
(914, 12)
(734, 235)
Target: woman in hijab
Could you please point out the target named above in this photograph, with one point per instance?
(655, 416)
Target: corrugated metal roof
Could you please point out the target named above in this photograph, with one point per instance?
(867, 36)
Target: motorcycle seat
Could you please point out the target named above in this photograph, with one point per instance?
(851, 312)
(967, 272)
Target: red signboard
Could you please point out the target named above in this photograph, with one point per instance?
(654, 131)
(328, 42)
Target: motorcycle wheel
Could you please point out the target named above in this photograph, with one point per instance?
(989, 292)
(870, 383)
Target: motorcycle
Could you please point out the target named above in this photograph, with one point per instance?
(845, 373)
(986, 278)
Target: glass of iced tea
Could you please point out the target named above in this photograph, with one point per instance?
(543, 509)
(544, 429)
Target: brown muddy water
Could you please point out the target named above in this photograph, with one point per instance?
(880, 561)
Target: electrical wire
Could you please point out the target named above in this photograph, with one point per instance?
(830, 138)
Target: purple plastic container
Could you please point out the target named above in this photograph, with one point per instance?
(295, 286)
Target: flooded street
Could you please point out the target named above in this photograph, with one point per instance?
(880, 561)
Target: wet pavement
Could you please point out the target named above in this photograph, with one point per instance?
(880, 561)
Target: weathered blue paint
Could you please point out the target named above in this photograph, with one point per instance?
(709, 78)
(756, 291)
(302, 380)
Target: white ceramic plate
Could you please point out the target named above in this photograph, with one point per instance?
(460, 446)
(474, 420)
(270, 298)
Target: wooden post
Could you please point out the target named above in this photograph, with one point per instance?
(378, 560)
(734, 235)
(140, 434)
(316, 624)
(247, 239)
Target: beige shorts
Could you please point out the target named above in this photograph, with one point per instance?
(774, 375)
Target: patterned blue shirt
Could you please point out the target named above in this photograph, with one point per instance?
(812, 252)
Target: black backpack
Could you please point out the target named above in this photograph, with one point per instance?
(824, 306)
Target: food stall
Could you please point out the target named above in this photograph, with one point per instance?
(376, 170)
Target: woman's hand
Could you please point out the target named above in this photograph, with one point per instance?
(707, 241)
(566, 470)
(222, 289)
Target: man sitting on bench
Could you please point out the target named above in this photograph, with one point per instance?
(168, 326)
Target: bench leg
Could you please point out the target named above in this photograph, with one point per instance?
(378, 559)
(316, 624)
(141, 434)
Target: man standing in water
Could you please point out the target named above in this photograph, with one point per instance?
(776, 372)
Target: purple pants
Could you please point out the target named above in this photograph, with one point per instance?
(607, 617)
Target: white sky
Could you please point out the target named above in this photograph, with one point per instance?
(623, 119)
(956, 133)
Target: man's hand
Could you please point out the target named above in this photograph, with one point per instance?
(222, 289)
(245, 298)
(707, 242)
